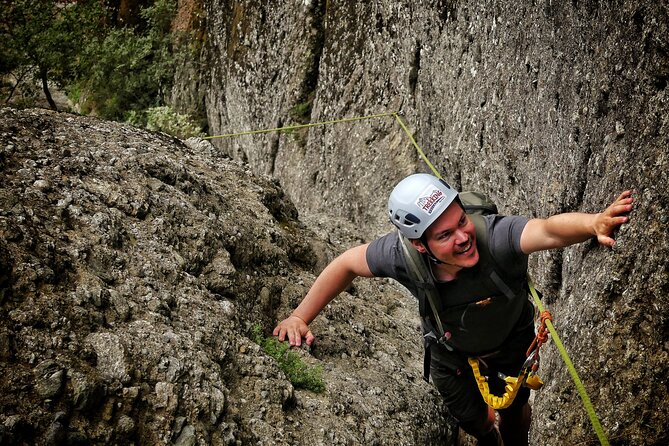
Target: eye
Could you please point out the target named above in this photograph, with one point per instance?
(444, 235)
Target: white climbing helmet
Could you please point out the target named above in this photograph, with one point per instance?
(417, 201)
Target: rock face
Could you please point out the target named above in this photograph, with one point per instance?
(548, 107)
(133, 269)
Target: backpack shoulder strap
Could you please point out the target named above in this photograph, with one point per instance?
(416, 266)
(420, 273)
(486, 258)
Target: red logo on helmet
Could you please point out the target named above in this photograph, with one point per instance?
(427, 203)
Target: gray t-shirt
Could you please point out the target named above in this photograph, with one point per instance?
(479, 315)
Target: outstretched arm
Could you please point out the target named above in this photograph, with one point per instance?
(567, 229)
(334, 279)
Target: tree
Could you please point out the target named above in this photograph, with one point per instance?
(130, 68)
(43, 39)
(111, 69)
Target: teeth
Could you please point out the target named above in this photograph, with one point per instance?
(469, 246)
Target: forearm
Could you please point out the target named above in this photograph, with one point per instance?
(328, 285)
(334, 279)
(563, 230)
(557, 231)
(569, 228)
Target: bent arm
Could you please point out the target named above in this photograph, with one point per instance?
(334, 279)
(567, 229)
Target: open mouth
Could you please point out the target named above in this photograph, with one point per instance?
(466, 248)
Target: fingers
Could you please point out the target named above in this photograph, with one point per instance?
(622, 204)
(298, 335)
(621, 207)
(614, 216)
(309, 337)
(282, 331)
(288, 330)
(617, 209)
(606, 241)
(617, 221)
(295, 338)
(624, 195)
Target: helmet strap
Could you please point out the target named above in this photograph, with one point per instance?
(430, 256)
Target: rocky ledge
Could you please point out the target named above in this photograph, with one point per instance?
(133, 269)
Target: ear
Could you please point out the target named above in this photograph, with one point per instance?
(418, 245)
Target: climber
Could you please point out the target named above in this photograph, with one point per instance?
(489, 319)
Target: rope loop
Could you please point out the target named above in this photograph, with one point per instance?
(542, 333)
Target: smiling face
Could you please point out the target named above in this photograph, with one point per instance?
(452, 240)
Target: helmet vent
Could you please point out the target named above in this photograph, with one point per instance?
(410, 220)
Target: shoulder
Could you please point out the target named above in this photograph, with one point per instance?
(385, 256)
(502, 244)
(380, 249)
(504, 232)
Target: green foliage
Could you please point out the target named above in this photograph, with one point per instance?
(300, 374)
(131, 69)
(165, 119)
(42, 39)
(302, 111)
(105, 70)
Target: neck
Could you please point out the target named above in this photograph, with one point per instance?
(445, 272)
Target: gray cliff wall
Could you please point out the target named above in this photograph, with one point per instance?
(547, 106)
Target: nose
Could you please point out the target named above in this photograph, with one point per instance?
(461, 237)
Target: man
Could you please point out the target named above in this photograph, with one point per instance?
(486, 318)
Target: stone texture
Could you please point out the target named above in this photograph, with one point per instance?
(130, 287)
(547, 106)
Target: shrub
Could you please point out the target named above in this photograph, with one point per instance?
(299, 373)
(42, 42)
(105, 68)
(165, 119)
(132, 68)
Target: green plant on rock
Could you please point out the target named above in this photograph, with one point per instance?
(165, 119)
(302, 111)
(299, 373)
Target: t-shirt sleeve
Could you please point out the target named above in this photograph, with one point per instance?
(385, 258)
(504, 240)
(383, 255)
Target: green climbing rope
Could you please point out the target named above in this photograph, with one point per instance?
(572, 371)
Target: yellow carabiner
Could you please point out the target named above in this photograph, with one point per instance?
(534, 382)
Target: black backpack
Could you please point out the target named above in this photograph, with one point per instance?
(476, 205)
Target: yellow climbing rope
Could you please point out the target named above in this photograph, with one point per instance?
(528, 376)
(590, 410)
(415, 144)
(396, 115)
(301, 126)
